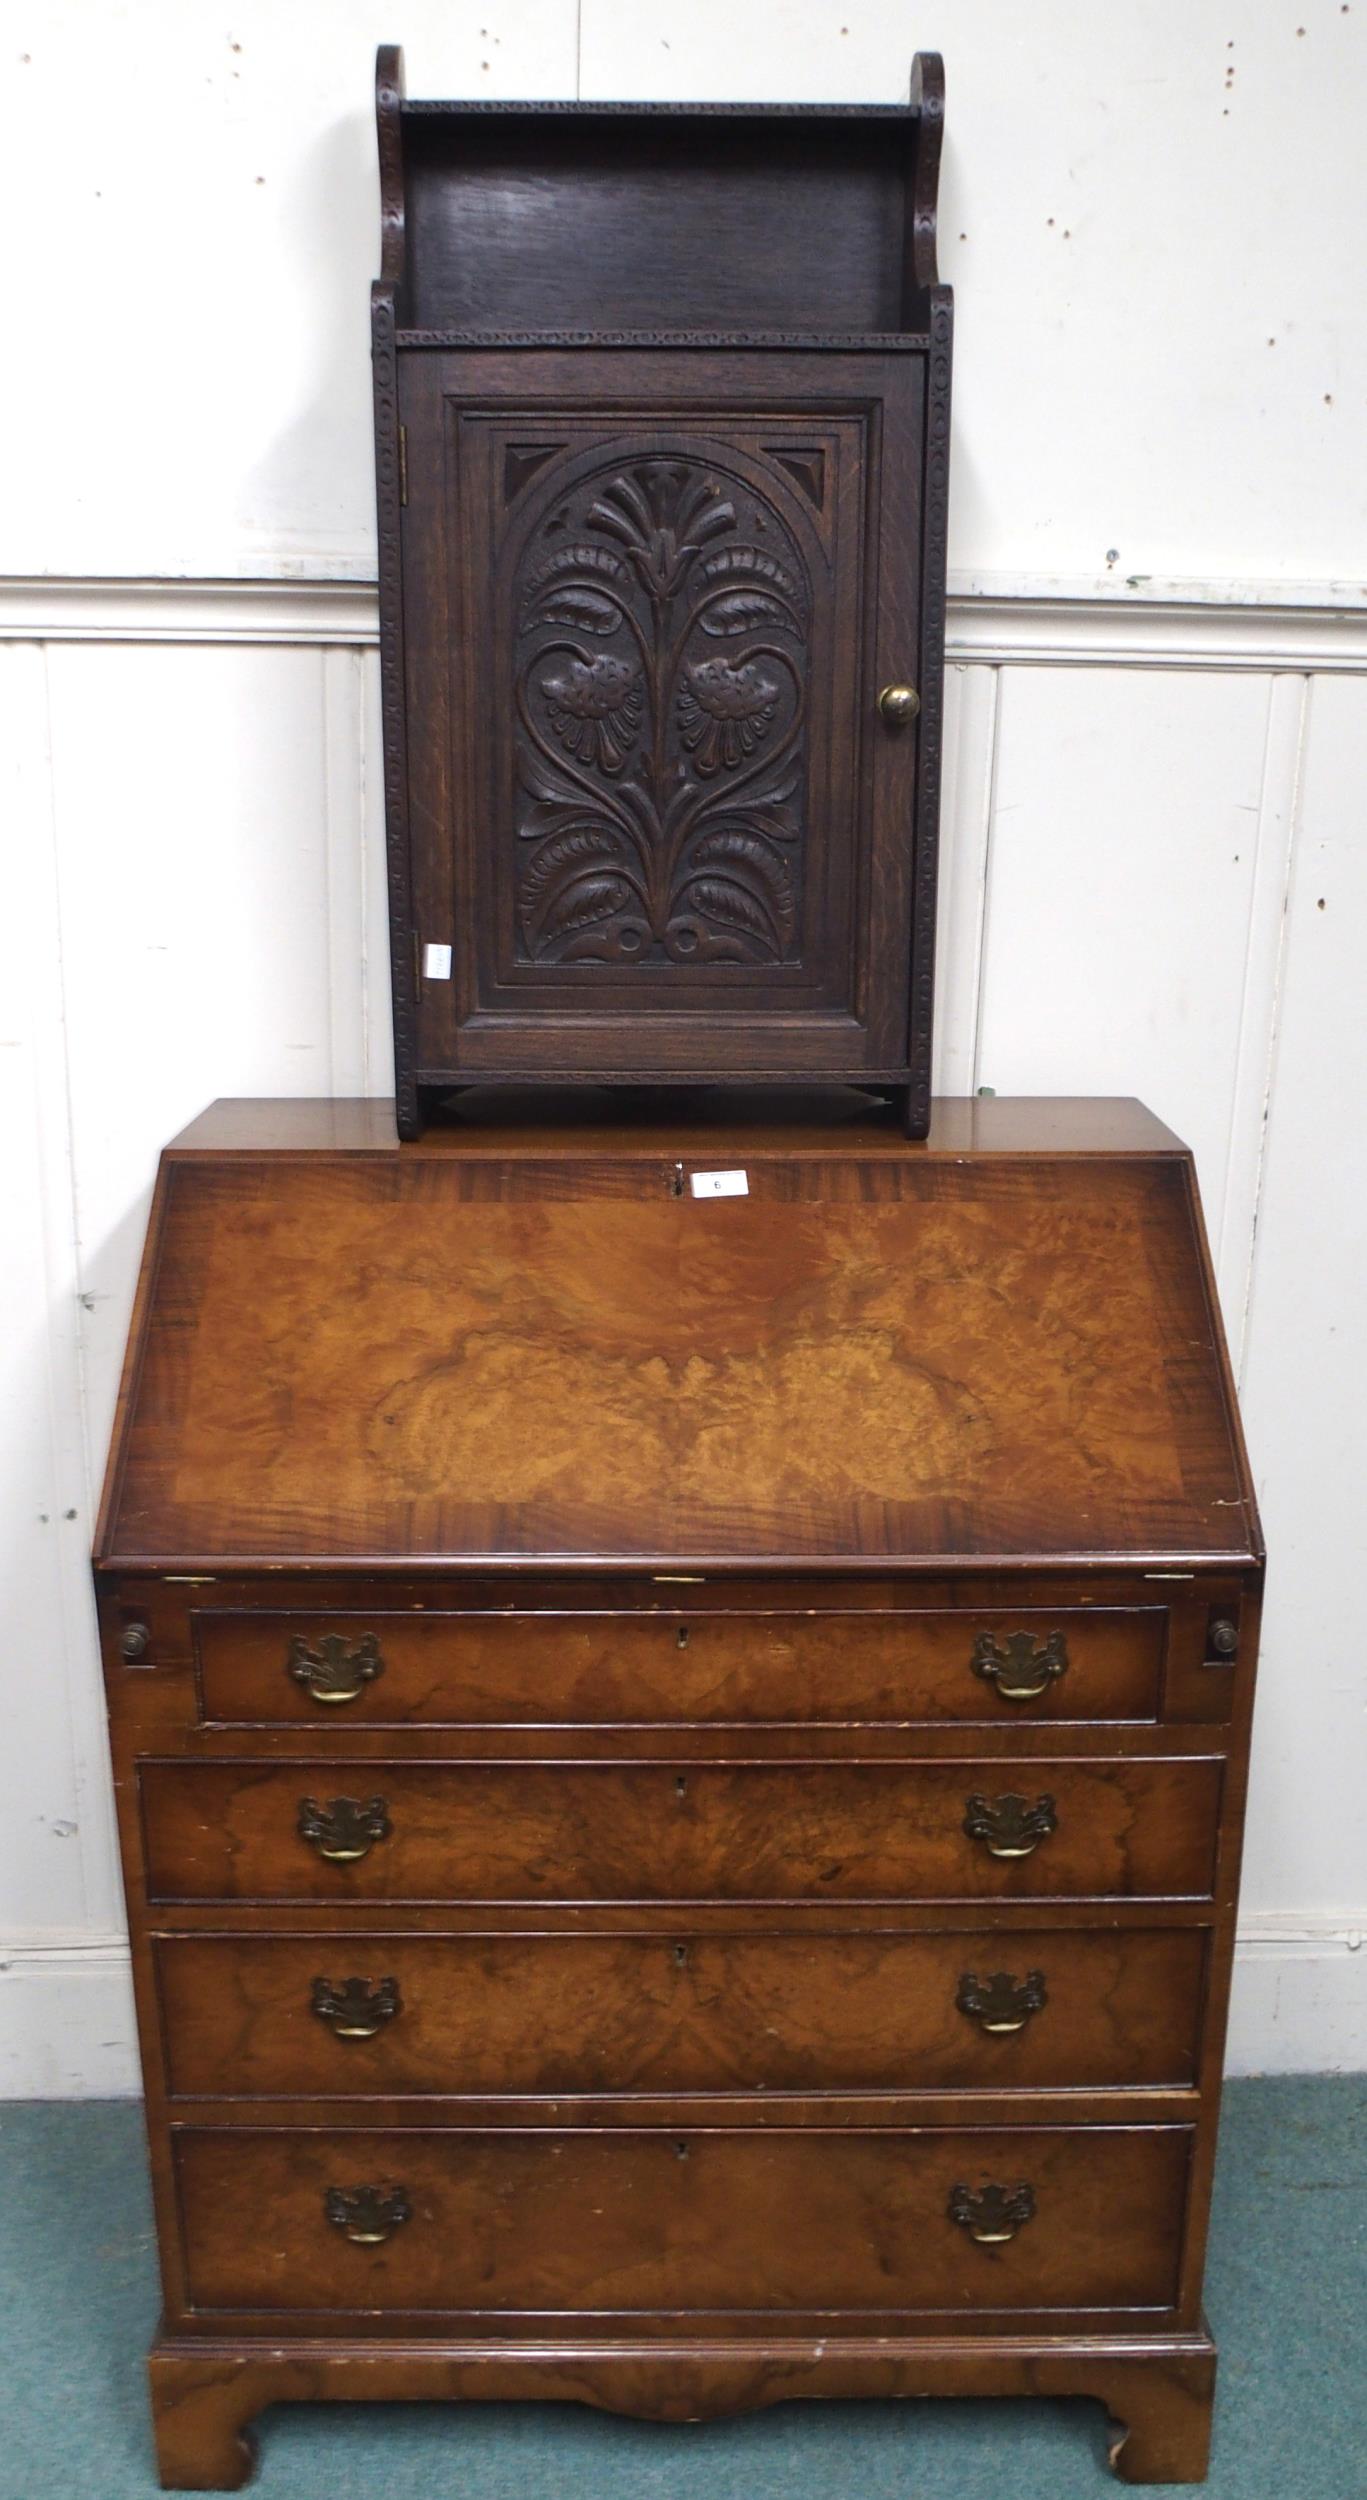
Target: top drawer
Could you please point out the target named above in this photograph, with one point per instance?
(387, 1669)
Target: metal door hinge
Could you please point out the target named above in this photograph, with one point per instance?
(403, 464)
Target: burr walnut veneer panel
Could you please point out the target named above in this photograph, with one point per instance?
(1078, 1663)
(535, 2224)
(682, 1831)
(931, 1359)
(840, 2009)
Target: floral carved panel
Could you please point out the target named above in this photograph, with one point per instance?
(662, 614)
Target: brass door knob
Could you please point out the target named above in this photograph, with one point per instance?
(898, 705)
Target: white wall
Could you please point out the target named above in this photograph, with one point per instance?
(1155, 871)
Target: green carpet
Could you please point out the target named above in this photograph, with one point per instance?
(1287, 2296)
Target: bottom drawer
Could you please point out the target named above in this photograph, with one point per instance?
(624, 2220)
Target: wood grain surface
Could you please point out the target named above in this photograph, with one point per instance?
(827, 2012)
(650, 1543)
(682, 1667)
(408, 1357)
(227, 1831)
(616, 2220)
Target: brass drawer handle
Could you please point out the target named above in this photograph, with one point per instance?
(991, 2215)
(1002, 2003)
(345, 1829)
(355, 2009)
(1010, 1827)
(1020, 1667)
(367, 2216)
(337, 1669)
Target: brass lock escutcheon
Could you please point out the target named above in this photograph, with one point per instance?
(1020, 1668)
(991, 2215)
(1002, 2002)
(355, 2009)
(1010, 1826)
(334, 1669)
(345, 1829)
(898, 705)
(367, 2216)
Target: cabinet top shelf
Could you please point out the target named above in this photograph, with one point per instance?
(740, 218)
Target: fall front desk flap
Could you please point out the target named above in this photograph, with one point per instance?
(494, 1349)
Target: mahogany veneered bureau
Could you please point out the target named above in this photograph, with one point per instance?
(680, 1760)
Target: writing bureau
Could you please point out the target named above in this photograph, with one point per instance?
(680, 1762)
(662, 447)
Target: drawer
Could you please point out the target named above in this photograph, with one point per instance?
(817, 1831)
(329, 2013)
(621, 2220)
(680, 1668)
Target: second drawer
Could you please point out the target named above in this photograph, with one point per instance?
(370, 1830)
(330, 2014)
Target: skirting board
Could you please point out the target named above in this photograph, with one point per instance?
(67, 2031)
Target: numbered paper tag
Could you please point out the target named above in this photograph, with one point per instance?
(719, 1184)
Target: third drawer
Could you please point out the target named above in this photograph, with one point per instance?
(335, 2014)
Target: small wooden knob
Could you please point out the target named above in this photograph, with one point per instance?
(898, 705)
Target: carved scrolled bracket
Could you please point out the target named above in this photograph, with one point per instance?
(355, 2009)
(991, 2215)
(1020, 1667)
(334, 1669)
(1001, 2003)
(367, 2216)
(1009, 1826)
(345, 1829)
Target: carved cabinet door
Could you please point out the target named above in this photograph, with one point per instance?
(657, 814)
